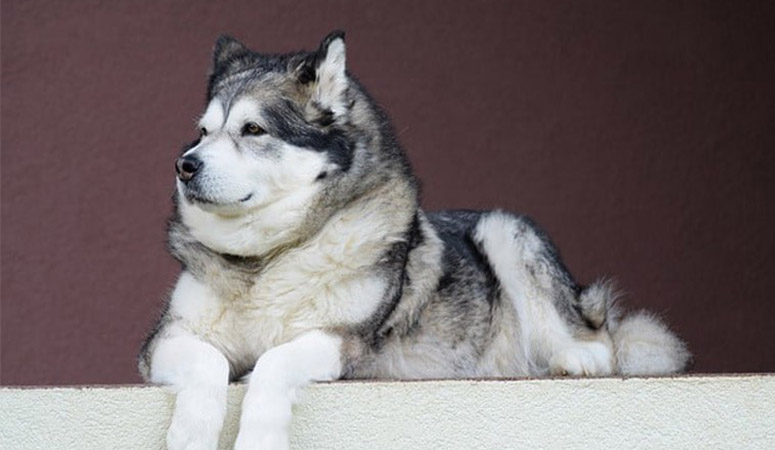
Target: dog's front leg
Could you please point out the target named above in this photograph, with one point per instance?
(266, 408)
(199, 374)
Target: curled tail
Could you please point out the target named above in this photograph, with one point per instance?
(643, 344)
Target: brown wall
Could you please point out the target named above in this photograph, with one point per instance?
(640, 134)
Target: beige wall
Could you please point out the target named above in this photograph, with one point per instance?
(698, 412)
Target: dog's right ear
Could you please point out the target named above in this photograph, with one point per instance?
(325, 72)
(226, 48)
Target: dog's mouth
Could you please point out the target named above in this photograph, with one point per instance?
(194, 196)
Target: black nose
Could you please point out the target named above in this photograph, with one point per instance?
(187, 167)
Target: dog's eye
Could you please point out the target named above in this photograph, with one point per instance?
(202, 132)
(252, 129)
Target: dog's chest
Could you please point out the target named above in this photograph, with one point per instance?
(298, 293)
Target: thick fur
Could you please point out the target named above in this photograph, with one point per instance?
(306, 257)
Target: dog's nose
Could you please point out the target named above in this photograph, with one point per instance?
(187, 167)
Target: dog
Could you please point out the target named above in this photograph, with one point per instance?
(306, 257)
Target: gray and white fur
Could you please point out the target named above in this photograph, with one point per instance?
(306, 257)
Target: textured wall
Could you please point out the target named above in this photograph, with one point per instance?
(640, 134)
(682, 413)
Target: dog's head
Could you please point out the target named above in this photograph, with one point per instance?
(283, 139)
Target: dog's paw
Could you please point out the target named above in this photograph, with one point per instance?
(265, 421)
(582, 358)
(197, 420)
(192, 433)
(258, 439)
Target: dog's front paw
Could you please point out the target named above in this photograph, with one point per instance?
(583, 358)
(265, 422)
(261, 439)
(196, 421)
(192, 434)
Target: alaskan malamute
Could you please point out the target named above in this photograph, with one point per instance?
(306, 257)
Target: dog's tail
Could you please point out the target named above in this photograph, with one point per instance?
(643, 344)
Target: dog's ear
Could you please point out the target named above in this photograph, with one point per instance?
(226, 48)
(327, 71)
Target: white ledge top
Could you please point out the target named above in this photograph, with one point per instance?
(683, 412)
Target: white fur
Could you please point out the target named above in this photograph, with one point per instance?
(497, 233)
(282, 194)
(266, 408)
(319, 284)
(199, 374)
(578, 358)
(332, 79)
(226, 175)
(282, 186)
(213, 117)
(645, 346)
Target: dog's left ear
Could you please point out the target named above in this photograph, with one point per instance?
(327, 72)
(226, 48)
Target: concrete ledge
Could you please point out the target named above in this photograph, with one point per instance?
(691, 412)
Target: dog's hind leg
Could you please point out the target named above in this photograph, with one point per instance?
(556, 337)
